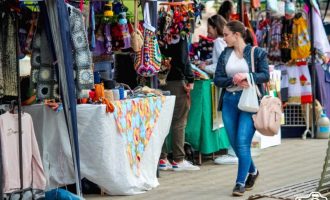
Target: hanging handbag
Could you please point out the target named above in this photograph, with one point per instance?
(248, 101)
(136, 36)
(148, 60)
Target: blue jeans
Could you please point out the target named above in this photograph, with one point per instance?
(240, 129)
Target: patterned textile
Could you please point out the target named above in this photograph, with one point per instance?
(1, 59)
(300, 40)
(9, 56)
(300, 87)
(136, 120)
(82, 55)
(274, 53)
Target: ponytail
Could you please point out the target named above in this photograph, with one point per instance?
(248, 37)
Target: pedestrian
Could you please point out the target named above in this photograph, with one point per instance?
(232, 70)
(215, 25)
(226, 10)
(180, 81)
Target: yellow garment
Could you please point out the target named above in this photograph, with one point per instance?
(301, 42)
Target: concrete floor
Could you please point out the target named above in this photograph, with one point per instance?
(293, 161)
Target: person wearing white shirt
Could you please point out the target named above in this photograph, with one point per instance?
(215, 26)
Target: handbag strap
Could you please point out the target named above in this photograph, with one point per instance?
(253, 70)
(136, 15)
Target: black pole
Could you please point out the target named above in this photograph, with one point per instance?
(312, 65)
(19, 106)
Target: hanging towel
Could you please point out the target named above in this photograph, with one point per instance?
(305, 82)
(294, 92)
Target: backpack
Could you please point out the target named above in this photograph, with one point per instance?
(268, 118)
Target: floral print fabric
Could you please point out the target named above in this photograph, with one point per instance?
(136, 120)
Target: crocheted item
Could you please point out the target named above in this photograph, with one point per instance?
(83, 58)
(9, 57)
(1, 59)
(148, 60)
(136, 120)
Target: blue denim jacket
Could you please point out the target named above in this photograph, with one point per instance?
(261, 74)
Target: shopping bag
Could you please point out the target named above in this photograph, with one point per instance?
(248, 101)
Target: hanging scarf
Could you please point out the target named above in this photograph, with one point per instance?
(1, 59)
(9, 57)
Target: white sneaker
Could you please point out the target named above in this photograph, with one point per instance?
(184, 166)
(164, 165)
(226, 160)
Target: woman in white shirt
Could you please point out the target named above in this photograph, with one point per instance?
(215, 25)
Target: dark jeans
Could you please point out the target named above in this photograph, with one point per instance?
(240, 129)
(179, 120)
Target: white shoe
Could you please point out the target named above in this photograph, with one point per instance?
(184, 166)
(226, 160)
(164, 165)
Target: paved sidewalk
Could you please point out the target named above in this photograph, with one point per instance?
(293, 161)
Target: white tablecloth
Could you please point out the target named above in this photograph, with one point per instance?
(103, 157)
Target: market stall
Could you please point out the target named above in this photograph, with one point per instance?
(103, 149)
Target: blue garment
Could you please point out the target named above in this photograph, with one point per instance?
(261, 74)
(61, 194)
(240, 129)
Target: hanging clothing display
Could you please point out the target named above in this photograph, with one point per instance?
(46, 75)
(321, 41)
(286, 40)
(33, 174)
(82, 55)
(294, 91)
(301, 44)
(305, 83)
(9, 55)
(1, 59)
(274, 51)
(322, 89)
(300, 85)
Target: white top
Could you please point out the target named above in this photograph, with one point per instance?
(236, 65)
(218, 46)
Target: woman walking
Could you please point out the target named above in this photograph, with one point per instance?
(232, 70)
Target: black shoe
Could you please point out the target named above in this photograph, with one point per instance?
(250, 181)
(238, 190)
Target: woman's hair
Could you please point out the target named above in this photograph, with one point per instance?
(225, 9)
(238, 27)
(218, 23)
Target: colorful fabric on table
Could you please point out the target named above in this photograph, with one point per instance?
(136, 120)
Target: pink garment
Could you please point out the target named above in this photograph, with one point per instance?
(10, 154)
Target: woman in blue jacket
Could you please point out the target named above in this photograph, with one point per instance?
(232, 69)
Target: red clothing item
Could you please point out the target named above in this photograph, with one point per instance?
(32, 165)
